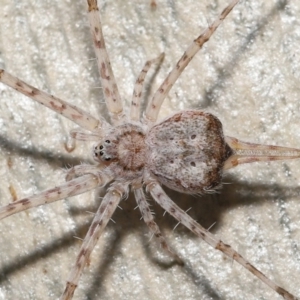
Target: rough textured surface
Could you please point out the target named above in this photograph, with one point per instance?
(248, 75)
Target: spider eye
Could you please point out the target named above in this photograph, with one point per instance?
(101, 147)
(101, 153)
(107, 141)
(107, 158)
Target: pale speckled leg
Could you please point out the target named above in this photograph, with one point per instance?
(106, 209)
(245, 152)
(85, 136)
(165, 202)
(139, 87)
(155, 104)
(95, 170)
(71, 188)
(73, 113)
(95, 135)
(110, 90)
(149, 220)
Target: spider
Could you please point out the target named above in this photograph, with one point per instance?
(98, 149)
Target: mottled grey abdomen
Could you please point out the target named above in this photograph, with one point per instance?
(187, 151)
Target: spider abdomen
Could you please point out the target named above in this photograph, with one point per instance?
(188, 151)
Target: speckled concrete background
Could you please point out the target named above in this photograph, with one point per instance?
(248, 75)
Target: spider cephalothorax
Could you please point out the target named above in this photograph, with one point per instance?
(123, 150)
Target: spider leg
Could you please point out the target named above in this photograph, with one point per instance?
(138, 88)
(80, 135)
(245, 152)
(149, 220)
(86, 136)
(165, 202)
(106, 209)
(71, 188)
(95, 170)
(154, 105)
(111, 94)
(94, 135)
(73, 113)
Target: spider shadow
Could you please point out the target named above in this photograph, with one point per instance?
(211, 92)
(206, 210)
(55, 160)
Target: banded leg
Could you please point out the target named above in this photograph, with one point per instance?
(158, 98)
(135, 107)
(149, 220)
(73, 113)
(71, 188)
(165, 202)
(109, 85)
(102, 216)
